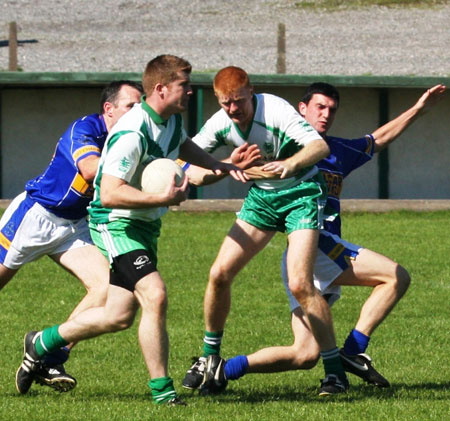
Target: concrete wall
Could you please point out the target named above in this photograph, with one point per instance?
(32, 120)
(34, 115)
(419, 160)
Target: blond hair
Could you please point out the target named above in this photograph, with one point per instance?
(163, 69)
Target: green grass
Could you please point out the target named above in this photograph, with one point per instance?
(332, 5)
(411, 348)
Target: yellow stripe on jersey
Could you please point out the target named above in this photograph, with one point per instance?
(180, 162)
(334, 183)
(4, 242)
(369, 144)
(336, 251)
(79, 184)
(85, 150)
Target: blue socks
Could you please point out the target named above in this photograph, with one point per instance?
(236, 367)
(356, 343)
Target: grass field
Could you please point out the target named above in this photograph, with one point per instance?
(411, 348)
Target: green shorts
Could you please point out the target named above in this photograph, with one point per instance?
(123, 236)
(286, 210)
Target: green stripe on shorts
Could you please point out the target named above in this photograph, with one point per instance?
(286, 210)
(123, 236)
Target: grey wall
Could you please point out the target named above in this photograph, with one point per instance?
(419, 160)
(32, 120)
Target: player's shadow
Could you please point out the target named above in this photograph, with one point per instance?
(359, 392)
(287, 393)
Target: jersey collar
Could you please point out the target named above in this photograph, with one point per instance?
(102, 122)
(249, 128)
(152, 113)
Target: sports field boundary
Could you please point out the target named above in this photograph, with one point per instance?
(347, 205)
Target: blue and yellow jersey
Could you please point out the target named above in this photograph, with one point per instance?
(346, 155)
(60, 188)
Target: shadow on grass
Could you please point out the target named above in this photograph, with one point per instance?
(287, 393)
(359, 392)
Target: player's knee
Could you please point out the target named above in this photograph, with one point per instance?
(307, 361)
(304, 357)
(120, 321)
(6, 275)
(157, 300)
(301, 289)
(403, 280)
(220, 276)
(98, 294)
(306, 354)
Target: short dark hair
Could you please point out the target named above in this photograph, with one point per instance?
(320, 88)
(111, 91)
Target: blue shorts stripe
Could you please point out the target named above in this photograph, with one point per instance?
(10, 227)
(336, 251)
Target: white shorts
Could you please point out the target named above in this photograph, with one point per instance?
(332, 259)
(28, 231)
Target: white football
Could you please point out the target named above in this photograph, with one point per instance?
(159, 173)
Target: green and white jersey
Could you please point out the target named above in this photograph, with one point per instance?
(277, 128)
(139, 137)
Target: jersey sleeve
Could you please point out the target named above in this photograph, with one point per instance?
(184, 135)
(213, 134)
(183, 164)
(84, 140)
(123, 156)
(359, 151)
(295, 127)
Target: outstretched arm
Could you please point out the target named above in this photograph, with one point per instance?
(390, 131)
(242, 156)
(192, 153)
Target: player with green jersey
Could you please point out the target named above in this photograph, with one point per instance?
(125, 224)
(289, 203)
(141, 136)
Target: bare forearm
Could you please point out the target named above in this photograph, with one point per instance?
(117, 193)
(390, 131)
(128, 197)
(257, 173)
(195, 155)
(308, 156)
(199, 176)
(88, 167)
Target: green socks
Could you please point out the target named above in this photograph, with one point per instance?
(211, 343)
(162, 389)
(49, 340)
(332, 363)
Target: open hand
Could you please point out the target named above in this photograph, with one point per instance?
(245, 156)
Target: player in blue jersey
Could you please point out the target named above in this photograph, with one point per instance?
(49, 218)
(125, 225)
(339, 263)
